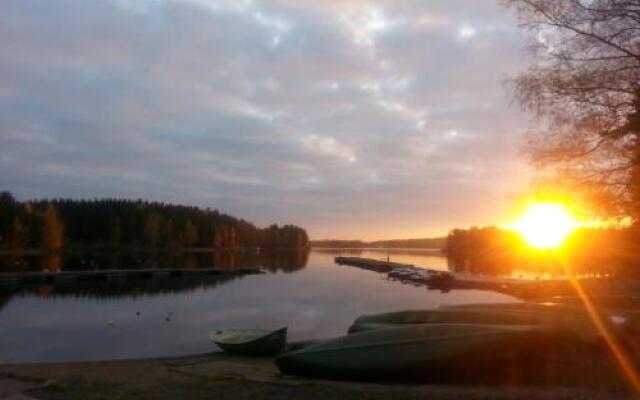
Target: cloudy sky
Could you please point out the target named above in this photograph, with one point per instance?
(354, 119)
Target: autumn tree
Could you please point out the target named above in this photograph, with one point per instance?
(53, 229)
(584, 87)
(190, 234)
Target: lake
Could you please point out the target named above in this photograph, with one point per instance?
(309, 293)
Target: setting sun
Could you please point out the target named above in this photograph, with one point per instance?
(545, 225)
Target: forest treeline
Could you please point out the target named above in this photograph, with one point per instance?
(491, 250)
(64, 223)
(426, 243)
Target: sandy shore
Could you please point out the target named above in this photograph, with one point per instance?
(219, 376)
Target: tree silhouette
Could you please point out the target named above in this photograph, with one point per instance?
(584, 85)
(52, 224)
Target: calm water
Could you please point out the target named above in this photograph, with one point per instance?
(313, 296)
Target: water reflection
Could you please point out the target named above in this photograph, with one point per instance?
(485, 265)
(535, 267)
(307, 292)
(275, 260)
(286, 261)
(120, 289)
(540, 266)
(425, 258)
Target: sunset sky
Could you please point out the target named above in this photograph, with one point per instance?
(353, 119)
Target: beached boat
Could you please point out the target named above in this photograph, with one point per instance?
(250, 341)
(618, 311)
(417, 351)
(559, 317)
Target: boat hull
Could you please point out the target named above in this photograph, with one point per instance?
(562, 318)
(422, 352)
(268, 344)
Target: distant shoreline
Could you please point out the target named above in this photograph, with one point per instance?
(430, 249)
(437, 243)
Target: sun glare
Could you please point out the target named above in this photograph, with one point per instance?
(545, 225)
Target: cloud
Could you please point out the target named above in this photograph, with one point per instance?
(336, 115)
(327, 146)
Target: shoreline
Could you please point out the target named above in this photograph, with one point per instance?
(218, 375)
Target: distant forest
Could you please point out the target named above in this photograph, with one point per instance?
(63, 223)
(493, 250)
(428, 243)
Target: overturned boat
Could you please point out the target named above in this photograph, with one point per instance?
(419, 352)
(560, 317)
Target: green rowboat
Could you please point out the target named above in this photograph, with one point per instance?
(254, 342)
(616, 312)
(558, 317)
(418, 351)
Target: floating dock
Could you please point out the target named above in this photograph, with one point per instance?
(63, 277)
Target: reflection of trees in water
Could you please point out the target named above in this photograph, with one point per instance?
(485, 264)
(274, 260)
(124, 289)
(494, 251)
(4, 299)
(286, 261)
(536, 264)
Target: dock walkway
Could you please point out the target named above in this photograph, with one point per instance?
(370, 264)
(446, 281)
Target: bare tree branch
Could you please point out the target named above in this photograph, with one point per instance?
(584, 88)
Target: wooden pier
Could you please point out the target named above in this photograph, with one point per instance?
(446, 281)
(65, 277)
(370, 264)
